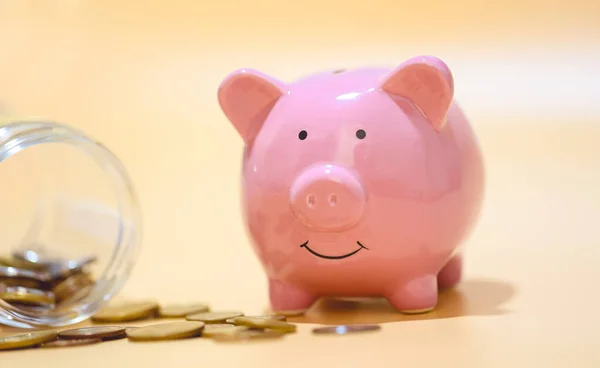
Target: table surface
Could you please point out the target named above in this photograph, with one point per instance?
(530, 287)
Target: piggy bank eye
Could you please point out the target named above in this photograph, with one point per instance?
(302, 135)
(361, 134)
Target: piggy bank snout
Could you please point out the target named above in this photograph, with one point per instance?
(327, 198)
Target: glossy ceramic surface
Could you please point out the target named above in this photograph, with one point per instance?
(358, 182)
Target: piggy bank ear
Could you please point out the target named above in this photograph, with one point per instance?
(428, 83)
(246, 97)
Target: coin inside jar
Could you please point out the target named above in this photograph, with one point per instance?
(166, 331)
(23, 295)
(16, 281)
(71, 285)
(36, 275)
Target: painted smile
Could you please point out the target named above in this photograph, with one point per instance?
(305, 245)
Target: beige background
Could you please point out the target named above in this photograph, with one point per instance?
(141, 77)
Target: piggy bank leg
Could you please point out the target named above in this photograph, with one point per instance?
(451, 274)
(286, 297)
(418, 295)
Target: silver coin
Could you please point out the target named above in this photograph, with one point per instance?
(57, 267)
(32, 256)
(26, 274)
(345, 329)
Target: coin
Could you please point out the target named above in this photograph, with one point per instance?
(23, 295)
(125, 312)
(277, 317)
(69, 343)
(37, 275)
(166, 331)
(220, 329)
(65, 268)
(17, 281)
(213, 317)
(291, 313)
(26, 340)
(345, 329)
(17, 263)
(71, 285)
(248, 335)
(39, 259)
(181, 310)
(98, 332)
(264, 323)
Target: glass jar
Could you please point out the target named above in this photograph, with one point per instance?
(66, 204)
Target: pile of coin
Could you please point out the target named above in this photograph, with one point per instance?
(170, 322)
(30, 280)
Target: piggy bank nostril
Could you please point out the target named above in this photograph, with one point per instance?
(333, 199)
(311, 200)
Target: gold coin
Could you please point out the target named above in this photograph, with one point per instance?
(18, 281)
(263, 323)
(23, 295)
(18, 263)
(166, 331)
(277, 317)
(220, 329)
(37, 275)
(248, 335)
(213, 317)
(181, 310)
(71, 285)
(345, 329)
(291, 313)
(125, 312)
(26, 340)
(65, 268)
(69, 343)
(98, 332)
(77, 295)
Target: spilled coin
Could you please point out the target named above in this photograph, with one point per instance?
(28, 339)
(213, 317)
(126, 312)
(98, 332)
(264, 323)
(345, 329)
(69, 343)
(248, 335)
(181, 310)
(166, 331)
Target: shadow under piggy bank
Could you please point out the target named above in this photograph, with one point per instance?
(470, 298)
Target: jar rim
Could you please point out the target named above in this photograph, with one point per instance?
(18, 135)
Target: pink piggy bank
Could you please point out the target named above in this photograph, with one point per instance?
(357, 183)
